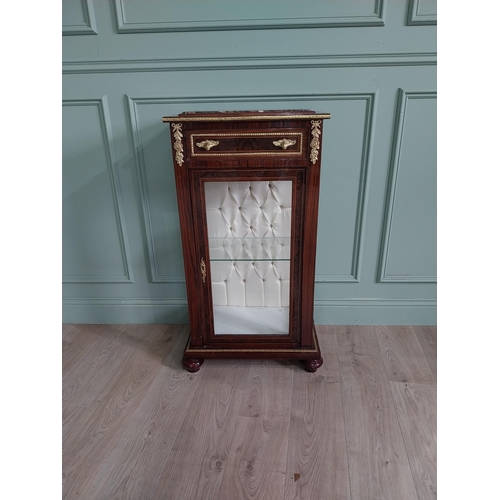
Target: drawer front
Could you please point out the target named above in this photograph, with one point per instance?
(282, 144)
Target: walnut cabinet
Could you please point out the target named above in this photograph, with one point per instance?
(248, 187)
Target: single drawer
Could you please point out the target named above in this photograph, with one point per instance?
(282, 144)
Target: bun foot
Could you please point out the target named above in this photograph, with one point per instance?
(192, 365)
(311, 365)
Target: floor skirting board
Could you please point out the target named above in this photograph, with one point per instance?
(356, 311)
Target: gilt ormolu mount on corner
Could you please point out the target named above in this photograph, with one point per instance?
(248, 188)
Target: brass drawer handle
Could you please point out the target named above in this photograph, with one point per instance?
(208, 145)
(284, 143)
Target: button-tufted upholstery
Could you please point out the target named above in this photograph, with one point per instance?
(248, 209)
(251, 221)
(258, 283)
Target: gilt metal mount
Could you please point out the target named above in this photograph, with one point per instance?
(208, 145)
(284, 143)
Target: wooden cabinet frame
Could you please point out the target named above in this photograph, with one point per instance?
(248, 146)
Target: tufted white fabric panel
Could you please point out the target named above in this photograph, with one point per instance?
(250, 221)
(259, 209)
(250, 248)
(258, 284)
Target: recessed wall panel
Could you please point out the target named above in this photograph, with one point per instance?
(199, 15)
(159, 199)
(409, 251)
(422, 12)
(344, 169)
(345, 165)
(78, 17)
(94, 238)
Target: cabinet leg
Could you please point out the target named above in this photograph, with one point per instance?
(311, 365)
(191, 364)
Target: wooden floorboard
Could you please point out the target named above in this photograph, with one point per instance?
(199, 456)
(403, 356)
(76, 341)
(134, 466)
(330, 371)
(137, 426)
(88, 374)
(317, 455)
(416, 408)
(256, 462)
(85, 451)
(70, 330)
(427, 336)
(268, 392)
(378, 464)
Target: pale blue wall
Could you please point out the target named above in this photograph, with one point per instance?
(370, 63)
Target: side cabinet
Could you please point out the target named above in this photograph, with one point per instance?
(248, 187)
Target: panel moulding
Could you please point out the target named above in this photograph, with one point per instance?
(252, 63)
(124, 302)
(415, 19)
(124, 26)
(403, 98)
(368, 302)
(151, 302)
(355, 267)
(369, 124)
(353, 311)
(89, 27)
(102, 105)
(155, 276)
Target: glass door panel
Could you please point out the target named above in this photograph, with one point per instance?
(249, 234)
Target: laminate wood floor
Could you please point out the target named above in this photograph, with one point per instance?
(137, 426)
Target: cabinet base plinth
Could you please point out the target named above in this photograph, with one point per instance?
(310, 358)
(191, 364)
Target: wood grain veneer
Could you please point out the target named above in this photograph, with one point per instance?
(245, 152)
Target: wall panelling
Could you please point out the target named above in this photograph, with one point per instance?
(371, 64)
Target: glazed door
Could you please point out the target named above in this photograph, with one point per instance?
(249, 243)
